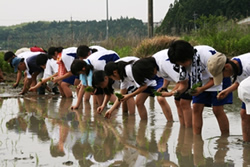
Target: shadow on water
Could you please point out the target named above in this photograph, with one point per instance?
(43, 131)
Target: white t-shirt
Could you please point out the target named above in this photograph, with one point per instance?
(166, 68)
(244, 61)
(129, 80)
(99, 48)
(68, 56)
(128, 59)
(99, 59)
(51, 68)
(202, 55)
(28, 54)
(126, 83)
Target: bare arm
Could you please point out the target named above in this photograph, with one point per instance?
(18, 78)
(104, 103)
(39, 84)
(26, 86)
(68, 74)
(228, 90)
(79, 97)
(139, 90)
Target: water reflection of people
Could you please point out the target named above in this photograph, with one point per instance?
(222, 149)
(162, 145)
(30, 116)
(198, 143)
(59, 128)
(184, 147)
(245, 155)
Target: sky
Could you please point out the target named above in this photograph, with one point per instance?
(14, 12)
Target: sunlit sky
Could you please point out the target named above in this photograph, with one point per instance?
(14, 12)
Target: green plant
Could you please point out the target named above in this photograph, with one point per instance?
(119, 96)
(89, 89)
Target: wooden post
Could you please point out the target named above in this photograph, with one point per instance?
(150, 19)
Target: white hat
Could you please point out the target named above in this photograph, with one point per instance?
(244, 93)
(215, 66)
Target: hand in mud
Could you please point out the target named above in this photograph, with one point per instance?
(100, 109)
(15, 85)
(74, 107)
(108, 114)
(32, 88)
(21, 93)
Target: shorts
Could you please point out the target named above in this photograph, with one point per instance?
(226, 83)
(131, 89)
(209, 99)
(99, 91)
(70, 80)
(185, 95)
(243, 106)
(151, 89)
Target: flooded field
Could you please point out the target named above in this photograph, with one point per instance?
(43, 131)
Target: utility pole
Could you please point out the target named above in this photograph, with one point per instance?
(150, 19)
(107, 21)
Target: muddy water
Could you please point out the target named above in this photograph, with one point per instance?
(43, 131)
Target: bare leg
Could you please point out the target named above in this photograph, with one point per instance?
(245, 125)
(1, 76)
(165, 108)
(222, 119)
(180, 112)
(99, 99)
(187, 112)
(140, 100)
(131, 106)
(66, 89)
(86, 96)
(197, 118)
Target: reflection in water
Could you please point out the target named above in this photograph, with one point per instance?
(88, 139)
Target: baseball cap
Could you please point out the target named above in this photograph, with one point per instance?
(15, 62)
(244, 93)
(215, 66)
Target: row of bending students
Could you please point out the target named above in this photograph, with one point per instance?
(181, 63)
(139, 78)
(154, 73)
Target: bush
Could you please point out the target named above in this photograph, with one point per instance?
(226, 36)
(148, 47)
(4, 66)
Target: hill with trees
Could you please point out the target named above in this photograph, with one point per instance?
(182, 15)
(68, 33)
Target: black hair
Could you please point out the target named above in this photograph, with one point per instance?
(180, 51)
(41, 59)
(52, 50)
(83, 51)
(8, 55)
(119, 66)
(98, 77)
(235, 69)
(77, 66)
(144, 68)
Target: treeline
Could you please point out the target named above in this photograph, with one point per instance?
(183, 14)
(69, 33)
